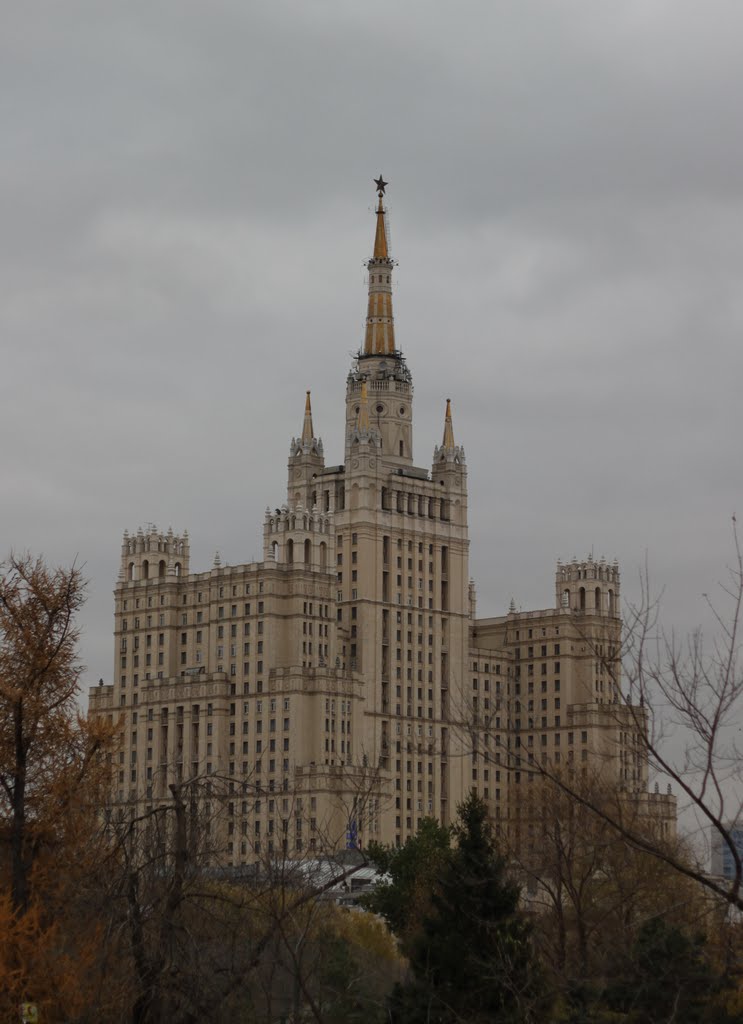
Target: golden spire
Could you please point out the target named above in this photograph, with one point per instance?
(362, 422)
(307, 431)
(448, 441)
(380, 239)
(380, 327)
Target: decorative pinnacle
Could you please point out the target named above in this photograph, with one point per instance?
(381, 185)
(448, 441)
(307, 431)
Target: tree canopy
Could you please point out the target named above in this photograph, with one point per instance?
(469, 945)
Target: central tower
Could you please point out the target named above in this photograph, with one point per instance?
(402, 580)
(380, 365)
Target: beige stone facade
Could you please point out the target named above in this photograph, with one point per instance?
(342, 689)
(546, 692)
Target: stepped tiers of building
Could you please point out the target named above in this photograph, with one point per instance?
(342, 689)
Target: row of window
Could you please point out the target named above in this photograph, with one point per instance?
(542, 654)
(233, 612)
(199, 596)
(530, 632)
(270, 705)
(256, 847)
(407, 502)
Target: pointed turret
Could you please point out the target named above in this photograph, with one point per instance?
(380, 326)
(307, 443)
(448, 441)
(449, 450)
(307, 431)
(306, 462)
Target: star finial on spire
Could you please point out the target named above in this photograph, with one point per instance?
(381, 184)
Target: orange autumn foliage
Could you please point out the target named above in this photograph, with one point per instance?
(53, 776)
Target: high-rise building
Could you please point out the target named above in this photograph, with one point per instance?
(342, 689)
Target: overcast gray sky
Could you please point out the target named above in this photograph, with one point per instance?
(185, 208)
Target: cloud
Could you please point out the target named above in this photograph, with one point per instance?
(186, 207)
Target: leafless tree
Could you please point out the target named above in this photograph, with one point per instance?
(591, 889)
(201, 940)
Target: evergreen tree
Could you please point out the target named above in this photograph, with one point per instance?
(472, 957)
(411, 871)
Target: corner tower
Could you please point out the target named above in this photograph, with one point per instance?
(588, 587)
(380, 364)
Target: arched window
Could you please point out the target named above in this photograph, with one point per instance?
(597, 600)
(612, 609)
(275, 550)
(177, 568)
(323, 555)
(582, 599)
(566, 599)
(145, 570)
(307, 551)
(290, 551)
(161, 568)
(131, 570)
